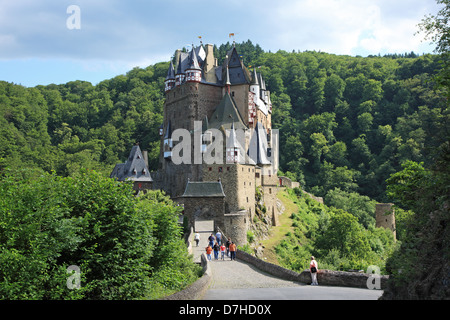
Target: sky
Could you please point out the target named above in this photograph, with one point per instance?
(57, 41)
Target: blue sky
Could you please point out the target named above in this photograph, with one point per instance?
(37, 47)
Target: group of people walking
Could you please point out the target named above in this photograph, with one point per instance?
(217, 246)
(228, 248)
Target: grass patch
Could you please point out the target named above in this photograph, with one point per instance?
(277, 233)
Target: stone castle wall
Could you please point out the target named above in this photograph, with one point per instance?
(385, 216)
(238, 182)
(235, 227)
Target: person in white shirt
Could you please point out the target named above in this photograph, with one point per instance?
(219, 237)
(313, 268)
(197, 238)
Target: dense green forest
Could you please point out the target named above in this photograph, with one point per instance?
(348, 122)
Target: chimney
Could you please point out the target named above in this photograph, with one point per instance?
(209, 60)
(210, 75)
(177, 58)
(145, 155)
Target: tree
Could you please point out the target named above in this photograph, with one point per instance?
(362, 207)
(333, 91)
(345, 234)
(403, 186)
(437, 29)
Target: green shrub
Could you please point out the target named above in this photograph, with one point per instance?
(120, 244)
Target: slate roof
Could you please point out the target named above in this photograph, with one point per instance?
(170, 72)
(258, 146)
(237, 73)
(182, 63)
(226, 114)
(193, 61)
(232, 64)
(201, 189)
(255, 78)
(168, 133)
(133, 169)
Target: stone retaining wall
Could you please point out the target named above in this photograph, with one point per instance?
(324, 277)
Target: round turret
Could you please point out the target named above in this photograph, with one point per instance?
(193, 71)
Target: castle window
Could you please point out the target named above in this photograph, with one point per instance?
(257, 175)
(220, 169)
(247, 199)
(270, 190)
(209, 169)
(228, 168)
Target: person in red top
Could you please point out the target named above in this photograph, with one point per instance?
(208, 252)
(313, 268)
(222, 251)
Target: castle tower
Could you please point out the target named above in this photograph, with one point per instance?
(203, 97)
(385, 216)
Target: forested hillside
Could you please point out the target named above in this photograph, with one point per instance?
(345, 122)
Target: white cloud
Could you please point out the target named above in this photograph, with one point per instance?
(349, 26)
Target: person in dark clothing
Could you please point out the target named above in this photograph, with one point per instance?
(227, 244)
(216, 251)
(211, 240)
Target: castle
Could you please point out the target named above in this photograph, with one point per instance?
(217, 146)
(217, 143)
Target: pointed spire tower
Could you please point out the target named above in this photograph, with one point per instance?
(170, 79)
(254, 85)
(227, 81)
(180, 75)
(232, 147)
(193, 71)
